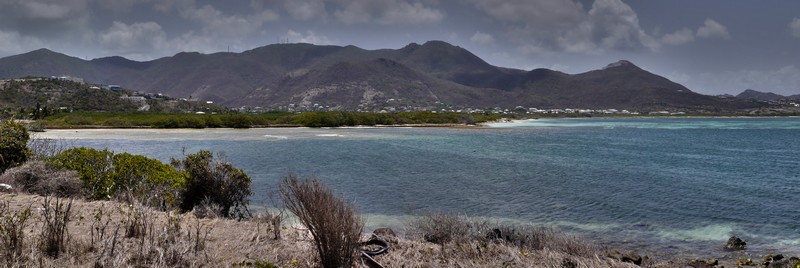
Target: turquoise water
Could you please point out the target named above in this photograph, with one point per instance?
(663, 184)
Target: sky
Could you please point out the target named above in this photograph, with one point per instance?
(710, 46)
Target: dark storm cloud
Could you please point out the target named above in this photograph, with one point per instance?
(43, 18)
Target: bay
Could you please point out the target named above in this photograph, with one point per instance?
(668, 185)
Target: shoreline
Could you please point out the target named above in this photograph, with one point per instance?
(479, 125)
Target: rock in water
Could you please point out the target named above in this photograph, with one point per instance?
(735, 243)
(630, 257)
(710, 263)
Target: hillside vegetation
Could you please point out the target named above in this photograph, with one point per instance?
(39, 97)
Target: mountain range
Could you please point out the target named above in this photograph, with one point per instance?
(764, 96)
(349, 78)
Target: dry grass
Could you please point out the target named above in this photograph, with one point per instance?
(450, 240)
(38, 177)
(334, 224)
(96, 234)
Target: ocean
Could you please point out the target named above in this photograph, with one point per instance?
(660, 185)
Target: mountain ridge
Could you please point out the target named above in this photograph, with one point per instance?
(281, 75)
(764, 96)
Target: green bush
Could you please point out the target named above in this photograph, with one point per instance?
(106, 175)
(237, 121)
(94, 167)
(217, 182)
(78, 121)
(13, 144)
(148, 180)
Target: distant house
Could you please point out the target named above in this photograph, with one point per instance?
(134, 98)
(114, 88)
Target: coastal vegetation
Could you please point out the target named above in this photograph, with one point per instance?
(13, 144)
(270, 119)
(217, 185)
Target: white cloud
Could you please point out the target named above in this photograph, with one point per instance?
(709, 29)
(679, 37)
(306, 9)
(310, 37)
(482, 38)
(121, 5)
(547, 13)
(533, 49)
(564, 25)
(167, 5)
(39, 10)
(618, 25)
(794, 26)
(406, 13)
(713, 29)
(387, 12)
(133, 40)
(219, 24)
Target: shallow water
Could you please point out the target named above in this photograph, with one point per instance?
(659, 184)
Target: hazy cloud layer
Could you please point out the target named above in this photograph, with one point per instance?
(713, 29)
(676, 38)
(794, 27)
(482, 38)
(309, 37)
(709, 30)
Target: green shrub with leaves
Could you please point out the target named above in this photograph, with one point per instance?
(107, 175)
(217, 182)
(148, 180)
(13, 144)
(94, 167)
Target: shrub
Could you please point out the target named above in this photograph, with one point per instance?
(207, 209)
(12, 232)
(13, 144)
(223, 184)
(237, 121)
(442, 228)
(94, 168)
(106, 175)
(537, 238)
(78, 121)
(56, 216)
(335, 224)
(147, 180)
(41, 178)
